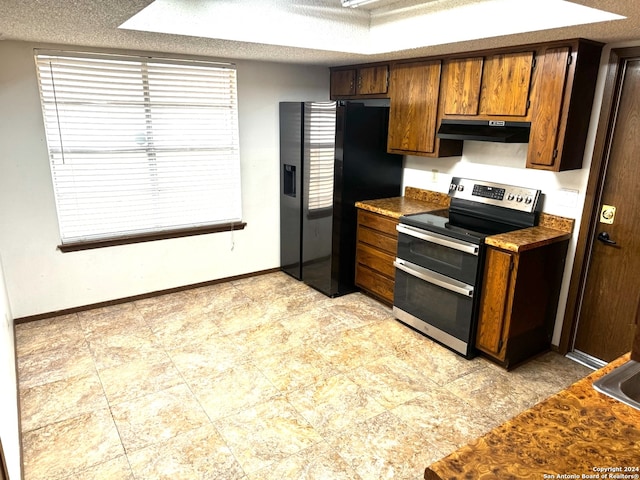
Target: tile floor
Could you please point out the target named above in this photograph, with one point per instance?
(261, 378)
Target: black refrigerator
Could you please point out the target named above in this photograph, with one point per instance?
(331, 156)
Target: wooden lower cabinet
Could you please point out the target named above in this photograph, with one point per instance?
(377, 242)
(518, 302)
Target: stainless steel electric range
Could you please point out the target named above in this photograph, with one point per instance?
(440, 258)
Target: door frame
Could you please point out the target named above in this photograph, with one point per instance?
(593, 195)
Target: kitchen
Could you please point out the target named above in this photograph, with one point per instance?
(66, 281)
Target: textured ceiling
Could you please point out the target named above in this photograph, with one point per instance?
(94, 23)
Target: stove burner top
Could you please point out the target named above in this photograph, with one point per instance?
(467, 228)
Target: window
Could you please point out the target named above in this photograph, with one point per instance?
(140, 147)
(321, 143)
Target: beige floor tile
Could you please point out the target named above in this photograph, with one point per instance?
(292, 304)
(116, 318)
(266, 339)
(449, 421)
(241, 317)
(197, 454)
(220, 297)
(385, 447)
(53, 365)
(350, 349)
(548, 374)
(390, 381)
(399, 339)
(118, 349)
(315, 326)
(332, 404)
(493, 392)
(52, 402)
(138, 378)
(207, 359)
(266, 434)
(59, 332)
(187, 329)
(356, 312)
(164, 307)
(157, 416)
(265, 287)
(70, 446)
(115, 469)
(296, 384)
(439, 364)
(318, 462)
(295, 368)
(235, 389)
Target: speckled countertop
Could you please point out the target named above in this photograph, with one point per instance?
(567, 435)
(414, 200)
(550, 228)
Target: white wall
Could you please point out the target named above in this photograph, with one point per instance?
(41, 279)
(9, 431)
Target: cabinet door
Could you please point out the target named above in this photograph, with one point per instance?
(505, 84)
(547, 108)
(372, 80)
(496, 292)
(461, 83)
(413, 89)
(343, 82)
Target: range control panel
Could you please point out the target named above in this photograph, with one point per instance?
(509, 196)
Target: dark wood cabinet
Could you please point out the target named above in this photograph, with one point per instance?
(518, 302)
(414, 89)
(488, 87)
(377, 242)
(561, 100)
(551, 85)
(359, 82)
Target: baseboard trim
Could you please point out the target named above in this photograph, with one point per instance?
(109, 303)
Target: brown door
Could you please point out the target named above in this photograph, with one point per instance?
(606, 320)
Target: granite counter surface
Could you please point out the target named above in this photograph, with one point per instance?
(568, 435)
(415, 200)
(527, 238)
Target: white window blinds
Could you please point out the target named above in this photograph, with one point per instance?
(140, 145)
(321, 143)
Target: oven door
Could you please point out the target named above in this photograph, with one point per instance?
(439, 307)
(445, 255)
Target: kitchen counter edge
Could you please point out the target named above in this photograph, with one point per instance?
(571, 432)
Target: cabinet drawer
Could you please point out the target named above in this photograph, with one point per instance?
(374, 283)
(379, 240)
(376, 260)
(379, 222)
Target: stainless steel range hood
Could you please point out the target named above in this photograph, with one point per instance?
(485, 131)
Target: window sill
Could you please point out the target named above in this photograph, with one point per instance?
(150, 237)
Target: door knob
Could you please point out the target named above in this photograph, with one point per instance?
(604, 238)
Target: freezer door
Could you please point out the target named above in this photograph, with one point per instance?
(291, 191)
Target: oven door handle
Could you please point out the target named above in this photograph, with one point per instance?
(433, 277)
(440, 240)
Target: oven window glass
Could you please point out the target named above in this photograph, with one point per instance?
(443, 309)
(447, 261)
(438, 253)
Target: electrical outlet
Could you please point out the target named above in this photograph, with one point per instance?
(434, 175)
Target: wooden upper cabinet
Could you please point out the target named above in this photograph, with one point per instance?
(372, 80)
(488, 87)
(562, 97)
(462, 86)
(506, 80)
(343, 83)
(414, 91)
(357, 82)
